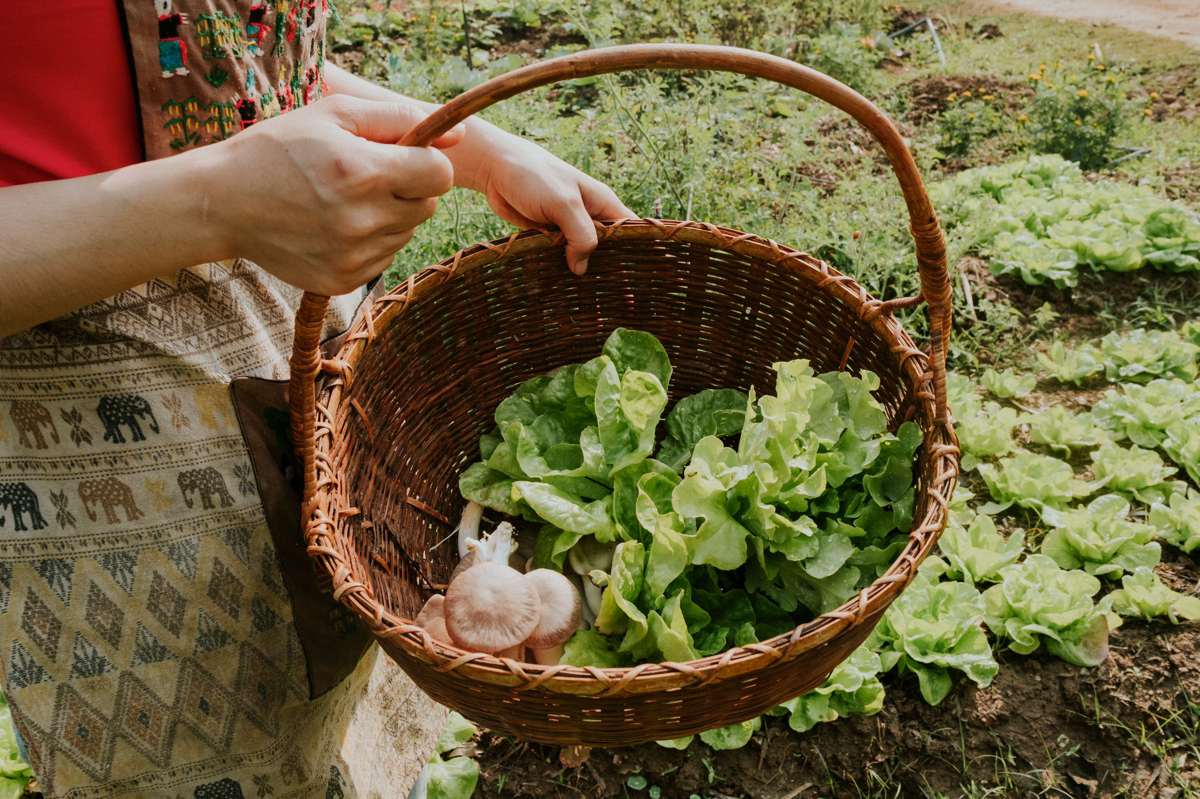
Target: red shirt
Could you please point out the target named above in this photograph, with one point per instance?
(67, 104)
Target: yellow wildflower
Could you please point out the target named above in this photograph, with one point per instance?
(1023, 118)
(951, 96)
(1101, 67)
(1147, 112)
(1082, 92)
(1077, 122)
(972, 116)
(987, 97)
(1153, 95)
(1110, 79)
(1033, 76)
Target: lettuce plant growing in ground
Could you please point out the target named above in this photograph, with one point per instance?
(1144, 595)
(986, 433)
(15, 773)
(1037, 602)
(1135, 471)
(1101, 540)
(1007, 384)
(1071, 366)
(974, 554)
(1059, 429)
(449, 776)
(1144, 413)
(1178, 520)
(1183, 446)
(934, 627)
(1143, 355)
(1041, 220)
(1039, 482)
(853, 687)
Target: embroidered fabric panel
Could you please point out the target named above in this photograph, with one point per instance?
(146, 634)
(208, 69)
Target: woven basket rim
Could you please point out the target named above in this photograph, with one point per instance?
(327, 505)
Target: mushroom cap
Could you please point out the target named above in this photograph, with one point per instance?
(562, 608)
(490, 607)
(433, 619)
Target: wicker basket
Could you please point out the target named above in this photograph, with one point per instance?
(400, 411)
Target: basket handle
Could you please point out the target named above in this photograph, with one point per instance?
(936, 288)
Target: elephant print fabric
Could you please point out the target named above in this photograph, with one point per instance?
(148, 637)
(128, 410)
(206, 483)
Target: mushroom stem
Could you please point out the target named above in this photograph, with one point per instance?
(496, 546)
(468, 525)
(547, 657)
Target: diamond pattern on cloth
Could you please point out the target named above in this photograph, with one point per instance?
(149, 643)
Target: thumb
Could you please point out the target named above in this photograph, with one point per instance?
(388, 123)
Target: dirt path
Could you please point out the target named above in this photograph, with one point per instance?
(1176, 19)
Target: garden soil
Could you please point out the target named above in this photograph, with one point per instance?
(1043, 727)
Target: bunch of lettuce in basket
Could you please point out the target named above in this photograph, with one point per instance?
(746, 516)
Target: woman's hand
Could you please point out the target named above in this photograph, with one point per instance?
(322, 197)
(529, 187)
(523, 183)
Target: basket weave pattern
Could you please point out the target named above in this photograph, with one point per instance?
(415, 386)
(399, 416)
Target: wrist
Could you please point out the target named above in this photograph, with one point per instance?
(202, 203)
(476, 156)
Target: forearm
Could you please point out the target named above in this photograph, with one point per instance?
(66, 244)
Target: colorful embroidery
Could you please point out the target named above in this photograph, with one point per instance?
(217, 76)
(219, 35)
(204, 483)
(108, 493)
(182, 123)
(256, 30)
(223, 122)
(172, 50)
(125, 410)
(29, 417)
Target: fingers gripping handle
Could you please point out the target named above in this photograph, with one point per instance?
(936, 288)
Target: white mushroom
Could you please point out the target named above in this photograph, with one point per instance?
(561, 612)
(468, 526)
(432, 619)
(490, 607)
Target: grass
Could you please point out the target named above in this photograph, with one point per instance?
(753, 155)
